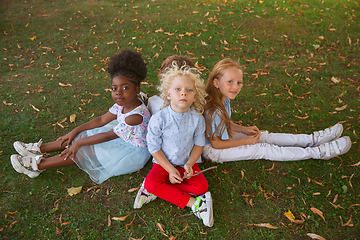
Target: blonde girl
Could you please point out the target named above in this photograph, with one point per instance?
(176, 140)
(227, 141)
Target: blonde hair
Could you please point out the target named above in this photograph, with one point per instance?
(170, 73)
(214, 105)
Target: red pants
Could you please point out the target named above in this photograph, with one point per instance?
(157, 182)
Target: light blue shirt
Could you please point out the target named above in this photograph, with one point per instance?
(175, 134)
(216, 122)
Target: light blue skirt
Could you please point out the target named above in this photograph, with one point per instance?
(113, 158)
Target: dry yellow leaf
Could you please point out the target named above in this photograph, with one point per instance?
(74, 190)
(267, 225)
(315, 236)
(133, 189)
(120, 218)
(290, 216)
(72, 118)
(317, 211)
(65, 85)
(341, 108)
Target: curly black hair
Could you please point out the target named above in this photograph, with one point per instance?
(129, 64)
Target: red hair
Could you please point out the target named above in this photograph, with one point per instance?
(214, 104)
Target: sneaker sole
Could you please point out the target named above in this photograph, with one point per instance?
(20, 169)
(23, 152)
(211, 219)
(347, 148)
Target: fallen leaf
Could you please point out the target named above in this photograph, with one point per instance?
(335, 80)
(183, 229)
(316, 46)
(72, 118)
(271, 169)
(58, 231)
(266, 225)
(317, 211)
(34, 108)
(32, 38)
(315, 236)
(348, 223)
(160, 227)
(341, 108)
(74, 190)
(120, 218)
(65, 85)
(290, 216)
(7, 104)
(133, 189)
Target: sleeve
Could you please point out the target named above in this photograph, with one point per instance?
(154, 134)
(216, 120)
(199, 135)
(114, 109)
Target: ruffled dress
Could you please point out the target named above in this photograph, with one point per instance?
(126, 154)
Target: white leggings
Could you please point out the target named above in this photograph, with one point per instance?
(272, 146)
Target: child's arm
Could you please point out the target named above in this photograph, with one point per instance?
(174, 175)
(96, 122)
(218, 143)
(194, 156)
(253, 130)
(91, 140)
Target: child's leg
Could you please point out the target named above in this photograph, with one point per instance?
(282, 139)
(54, 162)
(260, 151)
(52, 146)
(287, 139)
(157, 183)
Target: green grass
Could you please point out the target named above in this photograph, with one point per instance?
(290, 50)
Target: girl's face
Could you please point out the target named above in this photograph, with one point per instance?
(230, 83)
(181, 94)
(124, 92)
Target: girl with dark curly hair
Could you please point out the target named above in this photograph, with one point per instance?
(100, 147)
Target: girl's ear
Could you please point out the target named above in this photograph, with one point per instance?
(216, 82)
(137, 89)
(168, 95)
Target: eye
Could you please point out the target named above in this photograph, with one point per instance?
(190, 90)
(230, 81)
(177, 89)
(240, 83)
(125, 87)
(113, 88)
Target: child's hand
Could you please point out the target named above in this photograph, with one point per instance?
(71, 151)
(174, 176)
(253, 139)
(67, 139)
(188, 171)
(253, 130)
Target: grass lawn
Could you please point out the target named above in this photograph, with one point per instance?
(301, 61)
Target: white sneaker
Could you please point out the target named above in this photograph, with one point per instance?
(143, 197)
(203, 209)
(335, 148)
(28, 149)
(26, 165)
(327, 135)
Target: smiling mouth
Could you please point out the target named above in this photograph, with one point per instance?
(183, 100)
